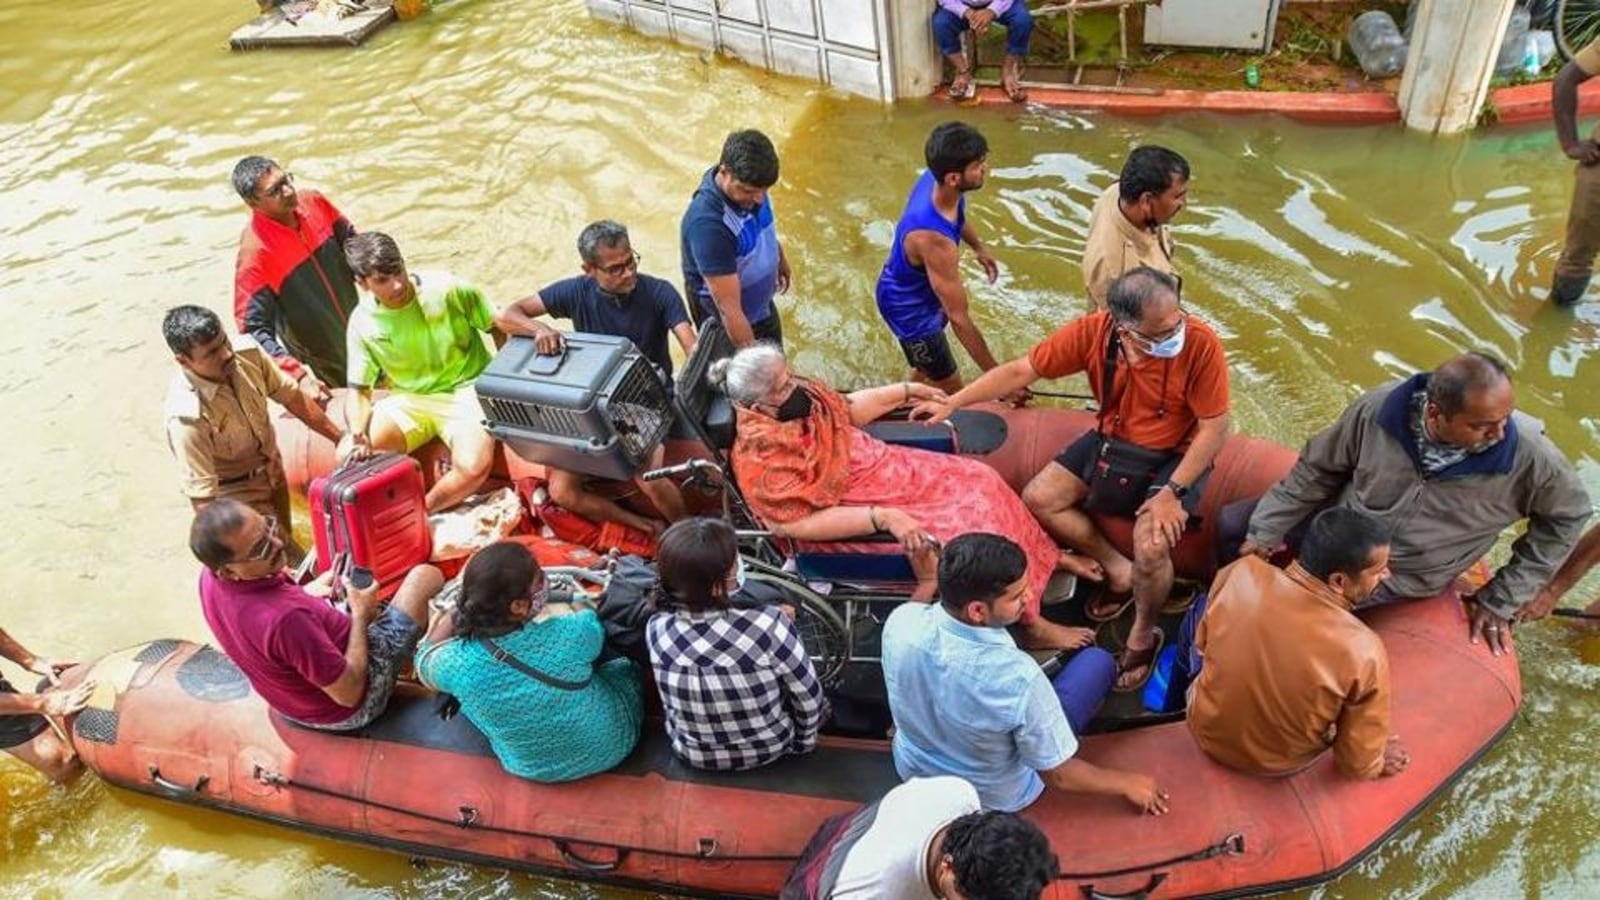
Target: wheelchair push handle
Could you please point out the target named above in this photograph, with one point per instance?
(684, 468)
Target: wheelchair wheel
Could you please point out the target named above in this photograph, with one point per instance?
(822, 630)
(1577, 25)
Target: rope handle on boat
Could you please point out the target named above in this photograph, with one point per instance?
(467, 818)
(172, 787)
(1231, 845)
(1155, 881)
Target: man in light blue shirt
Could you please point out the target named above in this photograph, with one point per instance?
(967, 702)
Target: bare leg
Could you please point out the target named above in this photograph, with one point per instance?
(568, 491)
(419, 586)
(52, 756)
(662, 493)
(471, 457)
(1055, 497)
(1152, 582)
(1042, 634)
(961, 84)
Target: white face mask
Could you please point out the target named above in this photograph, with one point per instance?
(1166, 349)
(738, 576)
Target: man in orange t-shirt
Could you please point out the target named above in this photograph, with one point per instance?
(1163, 419)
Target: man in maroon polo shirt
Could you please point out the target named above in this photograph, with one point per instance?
(292, 289)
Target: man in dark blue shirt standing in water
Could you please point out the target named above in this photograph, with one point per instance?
(920, 289)
(733, 264)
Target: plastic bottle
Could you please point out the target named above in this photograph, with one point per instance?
(1513, 47)
(1377, 44)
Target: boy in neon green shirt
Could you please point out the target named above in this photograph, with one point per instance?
(424, 330)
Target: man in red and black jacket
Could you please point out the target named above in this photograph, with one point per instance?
(292, 289)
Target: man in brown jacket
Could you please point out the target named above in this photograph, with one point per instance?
(1447, 462)
(1285, 670)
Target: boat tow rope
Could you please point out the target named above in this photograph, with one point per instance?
(1229, 846)
(467, 818)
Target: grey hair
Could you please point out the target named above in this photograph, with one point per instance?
(247, 174)
(748, 375)
(1135, 290)
(1468, 373)
(604, 232)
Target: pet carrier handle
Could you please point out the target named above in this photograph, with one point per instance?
(534, 367)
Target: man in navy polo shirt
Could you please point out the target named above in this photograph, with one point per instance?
(733, 264)
(611, 297)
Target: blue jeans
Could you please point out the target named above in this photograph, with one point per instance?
(1083, 683)
(1018, 23)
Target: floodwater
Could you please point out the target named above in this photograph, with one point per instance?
(484, 135)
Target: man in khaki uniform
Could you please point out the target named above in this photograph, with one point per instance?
(1128, 227)
(1583, 218)
(217, 422)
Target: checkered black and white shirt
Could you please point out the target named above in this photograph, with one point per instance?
(737, 686)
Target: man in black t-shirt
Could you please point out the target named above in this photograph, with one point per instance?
(611, 297)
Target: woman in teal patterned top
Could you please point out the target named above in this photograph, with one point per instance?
(549, 713)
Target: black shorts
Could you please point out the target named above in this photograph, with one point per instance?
(1079, 456)
(769, 329)
(930, 355)
(20, 729)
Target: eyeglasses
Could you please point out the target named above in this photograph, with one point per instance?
(268, 544)
(621, 268)
(1148, 340)
(279, 188)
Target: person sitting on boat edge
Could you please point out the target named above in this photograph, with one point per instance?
(919, 291)
(422, 330)
(611, 297)
(217, 420)
(811, 473)
(1128, 226)
(1160, 377)
(292, 290)
(733, 263)
(926, 839)
(524, 670)
(967, 702)
(319, 667)
(1282, 669)
(33, 726)
(738, 690)
(1448, 461)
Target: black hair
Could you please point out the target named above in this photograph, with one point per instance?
(1150, 170)
(213, 525)
(750, 157)
(373, 253)
(999, 856)
(953, 146)
(1341, 540)
(186, 327)
(978, 566)
(247, 174)
(693, 560)
(604, 233)
(1449, 385)
(1135, 290)
(495, 577)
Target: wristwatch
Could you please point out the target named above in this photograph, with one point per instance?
(1178, 490)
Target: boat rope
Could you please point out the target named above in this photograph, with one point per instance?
(467, 818)
(1228, 846)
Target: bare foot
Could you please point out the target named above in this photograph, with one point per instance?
(1043, 634)
(1081, 566)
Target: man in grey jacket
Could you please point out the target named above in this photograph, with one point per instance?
(1445, 460)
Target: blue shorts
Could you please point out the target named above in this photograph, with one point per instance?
(19, 729)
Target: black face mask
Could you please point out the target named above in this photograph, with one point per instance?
(797, 406)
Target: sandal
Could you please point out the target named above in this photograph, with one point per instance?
(1106, 606)
(1130, 660)
(962, 88)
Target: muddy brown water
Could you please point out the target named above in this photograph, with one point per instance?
(484, 136)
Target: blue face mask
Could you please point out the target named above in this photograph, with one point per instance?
(1168, 348)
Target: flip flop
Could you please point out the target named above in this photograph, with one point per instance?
(967, 91)
(1133, 659)
(1095, 610)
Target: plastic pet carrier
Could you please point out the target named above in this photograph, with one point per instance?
(599, 407)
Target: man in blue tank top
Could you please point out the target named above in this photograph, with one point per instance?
(733, 265)
(920, 289)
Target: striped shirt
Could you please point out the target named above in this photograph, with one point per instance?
(737, 687)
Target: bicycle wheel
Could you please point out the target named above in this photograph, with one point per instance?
(1577, 25)
(821, 628)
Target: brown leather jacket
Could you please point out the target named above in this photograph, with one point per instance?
(1287, 672)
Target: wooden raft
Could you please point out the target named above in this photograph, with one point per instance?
(276, 29)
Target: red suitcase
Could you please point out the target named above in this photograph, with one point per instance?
(373, 510)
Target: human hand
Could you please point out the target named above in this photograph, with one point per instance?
(1166, 514)
(1585, 152)
(363, 601)
(314, 388)
(320, 587)
(546, 340)
(1145, 794)
(932, 412)
(354, 446)
(1018, 398)
(1395, 757)
(980, 20)
(907, 530)
(49, 668)
(991, 269)
(1485, 623)
(783, 274)
(1251, 548)
(67, 702)
(1538, 607)
(917, 392)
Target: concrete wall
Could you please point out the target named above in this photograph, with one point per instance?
(882, 49)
